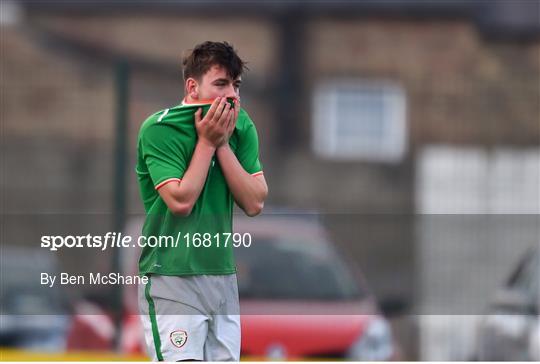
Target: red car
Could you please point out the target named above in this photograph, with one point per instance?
(298, 298)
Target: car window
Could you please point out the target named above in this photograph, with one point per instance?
(20, 291)
(288, 268)
(526, 277)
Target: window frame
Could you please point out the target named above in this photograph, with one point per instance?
(324, 137)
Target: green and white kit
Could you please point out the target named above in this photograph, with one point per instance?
(166, 143)
(189, 309)
(195, 317)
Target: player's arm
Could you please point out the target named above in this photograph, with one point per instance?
(248, 191)
(181, 196)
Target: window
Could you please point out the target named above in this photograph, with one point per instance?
(359, 120)
(473, 180)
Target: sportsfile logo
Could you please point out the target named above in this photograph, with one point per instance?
(120, 240)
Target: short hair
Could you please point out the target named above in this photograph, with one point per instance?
(207, 54)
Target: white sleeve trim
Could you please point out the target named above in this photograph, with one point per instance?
(161, 184)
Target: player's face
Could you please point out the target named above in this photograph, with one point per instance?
(215, 83)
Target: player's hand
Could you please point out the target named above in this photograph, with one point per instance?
(212, 129)
(231, 124)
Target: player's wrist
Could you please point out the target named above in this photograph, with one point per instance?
(206, 145)
(223, 147)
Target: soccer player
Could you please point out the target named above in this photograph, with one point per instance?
(194, 160)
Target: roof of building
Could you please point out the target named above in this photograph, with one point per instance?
(504, 19)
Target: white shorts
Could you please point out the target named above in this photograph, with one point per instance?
(191, 317)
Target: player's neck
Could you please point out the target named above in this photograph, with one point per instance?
(188, 100)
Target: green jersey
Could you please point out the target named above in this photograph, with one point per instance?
(201, 242)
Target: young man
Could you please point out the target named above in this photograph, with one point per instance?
(194, 161)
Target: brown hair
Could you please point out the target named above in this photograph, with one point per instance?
(208, 54)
